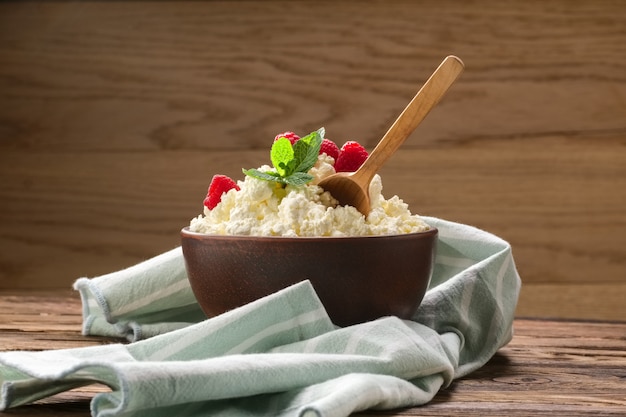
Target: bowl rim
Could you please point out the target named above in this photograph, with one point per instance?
(185, 232)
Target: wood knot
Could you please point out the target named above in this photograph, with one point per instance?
(522, 380)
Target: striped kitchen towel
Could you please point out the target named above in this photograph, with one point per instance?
(280, 355)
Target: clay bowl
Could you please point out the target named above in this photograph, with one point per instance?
(358, 279)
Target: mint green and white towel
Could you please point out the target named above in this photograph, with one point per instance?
(280, 355)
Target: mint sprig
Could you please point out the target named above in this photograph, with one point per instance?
(292, 162)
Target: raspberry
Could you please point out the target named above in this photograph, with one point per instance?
(219, 185)
(293, 138)
(351, 157)
(330, 148)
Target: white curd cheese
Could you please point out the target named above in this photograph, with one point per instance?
(263, 208)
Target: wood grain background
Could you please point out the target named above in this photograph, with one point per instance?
(115, 115)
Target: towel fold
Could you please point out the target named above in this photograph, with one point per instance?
(280, 355)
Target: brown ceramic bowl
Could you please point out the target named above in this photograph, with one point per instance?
(358, 279)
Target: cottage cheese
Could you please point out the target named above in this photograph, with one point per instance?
(262, 208)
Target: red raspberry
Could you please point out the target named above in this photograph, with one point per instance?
(351, 157)
(293, 138)
(330, 148)
(219, 185)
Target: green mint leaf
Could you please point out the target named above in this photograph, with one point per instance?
(282, 155)
(265, 176)
(292, 162)
(298, 178)
(288, 167)
(306, 150)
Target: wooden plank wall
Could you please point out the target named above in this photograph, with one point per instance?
(115, 115)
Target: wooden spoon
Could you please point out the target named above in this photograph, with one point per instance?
(352, 188)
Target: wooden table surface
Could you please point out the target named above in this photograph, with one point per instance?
(565, 367)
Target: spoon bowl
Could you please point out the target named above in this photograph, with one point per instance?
(352, 188)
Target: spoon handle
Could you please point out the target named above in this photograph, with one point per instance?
(426, 98)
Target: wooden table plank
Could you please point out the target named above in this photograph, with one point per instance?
(551, 367)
